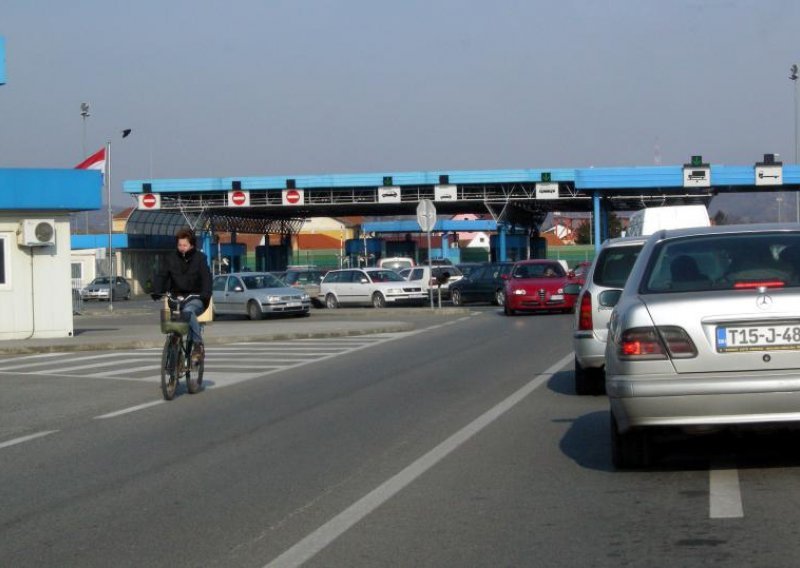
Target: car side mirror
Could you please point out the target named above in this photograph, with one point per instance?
(609, 298)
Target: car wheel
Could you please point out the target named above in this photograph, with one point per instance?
(128, 295)
(455, 297)
(254, 311)
(500, 297)
(629, 449)
(378, 301)
(331, 302)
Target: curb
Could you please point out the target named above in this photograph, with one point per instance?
(150, 343)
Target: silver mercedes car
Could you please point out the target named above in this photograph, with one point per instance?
(705, 335)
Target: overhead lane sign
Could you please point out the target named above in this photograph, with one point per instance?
(294, 197)
(696, 173)
(238, 198)
(445, 193)
(389, 194)
(149, 201)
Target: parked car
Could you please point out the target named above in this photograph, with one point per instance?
(378, 287)
(705, 335)
(257, 293)
(98, 289)
(540, 285)
(486, 283)
(306, 279)
(396, 263)
(466, 268)
(428, 278)
(607, 275)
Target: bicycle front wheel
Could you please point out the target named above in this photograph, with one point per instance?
(170, 359)
(194, 376)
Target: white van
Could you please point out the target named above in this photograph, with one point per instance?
(648, 221)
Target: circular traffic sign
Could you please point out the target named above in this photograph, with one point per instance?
(292, 196)
(238, 197)
(149, 200)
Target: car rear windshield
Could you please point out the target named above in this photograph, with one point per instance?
(385, 276)
(614, 265)
(727, 261)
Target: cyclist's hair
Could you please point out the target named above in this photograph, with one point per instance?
(187, 234)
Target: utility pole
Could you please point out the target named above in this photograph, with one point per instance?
(84, 115)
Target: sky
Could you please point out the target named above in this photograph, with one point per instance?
(294, 87)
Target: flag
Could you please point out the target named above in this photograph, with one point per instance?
(96, 161)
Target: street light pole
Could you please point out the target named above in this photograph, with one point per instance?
(84, 115)
(793, 76)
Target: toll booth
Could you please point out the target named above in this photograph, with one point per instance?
(228, 257)
(363, 252)
(272, 258)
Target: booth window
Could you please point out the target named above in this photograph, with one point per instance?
(4, 261)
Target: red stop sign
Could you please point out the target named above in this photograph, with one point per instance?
(292, 196)
(149, 200)
(238, 198)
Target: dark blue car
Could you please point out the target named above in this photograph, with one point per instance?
(485, 283)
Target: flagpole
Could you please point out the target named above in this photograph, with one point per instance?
(111, 274)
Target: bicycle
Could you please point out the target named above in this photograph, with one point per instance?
(176, 357)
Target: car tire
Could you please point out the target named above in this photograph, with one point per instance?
(378, 301)
(500, 297)
(128, 296)
(331, 302)
(629, 449)
(254, 311)
(455, 297)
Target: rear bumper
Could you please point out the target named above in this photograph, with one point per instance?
(589, 350)
(705, 399)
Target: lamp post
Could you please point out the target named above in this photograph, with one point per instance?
(84, 115)
(793, 76)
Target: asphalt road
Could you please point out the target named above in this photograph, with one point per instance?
(459, 444)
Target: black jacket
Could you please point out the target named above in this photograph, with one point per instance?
(185, 274)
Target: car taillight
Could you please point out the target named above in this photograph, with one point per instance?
(652, 343)
(679, 344)
(759, 284)
(641, 343)
(585, 312)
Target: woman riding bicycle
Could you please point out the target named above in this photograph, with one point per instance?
(184, 273)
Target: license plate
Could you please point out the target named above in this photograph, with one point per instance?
(759, 338)
(294, 304)
(557, 297)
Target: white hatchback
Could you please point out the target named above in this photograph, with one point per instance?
(368, 286)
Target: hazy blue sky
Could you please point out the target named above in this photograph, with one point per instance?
(251, 87)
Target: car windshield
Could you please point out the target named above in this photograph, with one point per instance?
(725, 262)
(538, 270)
(451, 270)
(101, 280)
(385, 276)
(256, 282)
(614, 265)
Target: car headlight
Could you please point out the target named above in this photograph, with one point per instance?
(519, 292)
(305, 297)
(394, 290)
(273, 299)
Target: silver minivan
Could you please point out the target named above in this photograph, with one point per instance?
(604, 282)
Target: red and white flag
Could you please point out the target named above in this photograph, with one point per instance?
(96, 161)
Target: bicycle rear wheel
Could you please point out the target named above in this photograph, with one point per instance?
(170, 358)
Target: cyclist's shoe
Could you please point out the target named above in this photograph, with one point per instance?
(198, 354)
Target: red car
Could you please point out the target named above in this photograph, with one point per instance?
(540, 285)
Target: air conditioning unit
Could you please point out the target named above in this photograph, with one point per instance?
(37, 233)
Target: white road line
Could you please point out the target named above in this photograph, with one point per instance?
(315, 542)
(725, 498)
(74, 359)
(16, 441)
(37, 356)
(121, 371)
(90, 366)
(129, 410)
